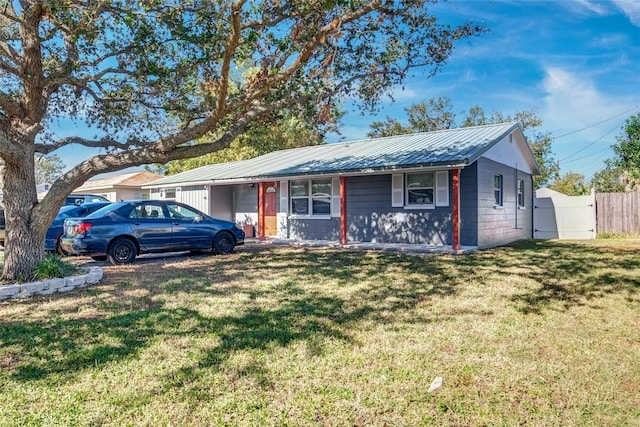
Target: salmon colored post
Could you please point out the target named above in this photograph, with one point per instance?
(343, 210)
(456, 210)
(261, 222)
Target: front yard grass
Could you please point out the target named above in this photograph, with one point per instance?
(537, 333)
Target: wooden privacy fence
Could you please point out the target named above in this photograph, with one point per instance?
(618, 212)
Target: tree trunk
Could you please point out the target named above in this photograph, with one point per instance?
(25, 231)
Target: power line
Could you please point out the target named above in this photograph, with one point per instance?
(595, 124)
(589, 155)
(589, 145)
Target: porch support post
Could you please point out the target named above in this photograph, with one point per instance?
(455, 220)
(343, 210)
(261, 222)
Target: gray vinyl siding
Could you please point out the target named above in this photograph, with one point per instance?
(372, 219)
(498, 226)
(314, 229)
(469, 206)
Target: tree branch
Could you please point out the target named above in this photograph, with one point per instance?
(230, 47)
(91, 143)
(309, 48)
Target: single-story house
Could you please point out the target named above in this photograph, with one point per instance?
(125, 186)
(470, 186)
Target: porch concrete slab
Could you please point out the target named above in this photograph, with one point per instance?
(394, 247)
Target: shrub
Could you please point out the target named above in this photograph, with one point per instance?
(53, 266)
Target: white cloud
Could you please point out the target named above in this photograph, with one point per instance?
(573, 102)
(593, 7)
(631, 8)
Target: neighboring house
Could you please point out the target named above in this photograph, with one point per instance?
(120, 187)
(470, 186)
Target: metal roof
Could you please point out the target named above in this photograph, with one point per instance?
(444, 148)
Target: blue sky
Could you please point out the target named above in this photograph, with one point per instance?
(575, 62)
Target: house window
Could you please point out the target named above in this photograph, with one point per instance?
(423, 190)
(170, 194)
(521, 193)
(420, 188)
(497, 190)
(311, 197)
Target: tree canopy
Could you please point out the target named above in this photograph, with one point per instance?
(48, 168)
(571, 184)
(611, 179)
(622, 172)
(425, 116)
(285, 132)
(627, 150)
(150, 77)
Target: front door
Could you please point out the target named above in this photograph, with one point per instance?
(270, 209)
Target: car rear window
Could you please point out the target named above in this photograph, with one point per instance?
(68, 211)
(107, 209)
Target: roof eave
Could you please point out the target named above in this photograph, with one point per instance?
(341, 172)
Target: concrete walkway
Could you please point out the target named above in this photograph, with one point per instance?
(394, 247)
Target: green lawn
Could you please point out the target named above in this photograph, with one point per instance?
(538, 333)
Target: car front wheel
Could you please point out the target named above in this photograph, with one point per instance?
(121, 251)
(223, 243)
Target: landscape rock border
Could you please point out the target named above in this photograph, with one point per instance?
(51, 286)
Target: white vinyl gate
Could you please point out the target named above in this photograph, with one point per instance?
(558, 216)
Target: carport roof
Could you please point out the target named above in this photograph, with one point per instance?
(444, 148)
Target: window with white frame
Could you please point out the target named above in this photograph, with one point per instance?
(311, 197)
(163, 193)
(420, 190)
(521, 193)
(497, 190)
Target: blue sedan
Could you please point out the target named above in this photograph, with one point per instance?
(52, 240)
(123, 230)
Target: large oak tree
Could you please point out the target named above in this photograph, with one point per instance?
(152, 76)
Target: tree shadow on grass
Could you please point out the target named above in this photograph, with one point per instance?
(137, 308)
(567, 274)
(282, 296)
